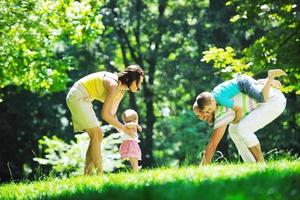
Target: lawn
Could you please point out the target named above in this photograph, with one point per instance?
(275, 180)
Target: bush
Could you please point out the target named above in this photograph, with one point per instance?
(69, 158)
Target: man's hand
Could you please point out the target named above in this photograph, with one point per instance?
(212, 145)
(203, 162)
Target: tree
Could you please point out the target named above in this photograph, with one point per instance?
(279, 43)
(24, 119)
(34, 35)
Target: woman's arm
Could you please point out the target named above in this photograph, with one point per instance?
(213, 144)
(116, 106)
(111, 105)
(116, 103)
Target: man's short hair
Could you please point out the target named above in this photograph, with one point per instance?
(203, 99)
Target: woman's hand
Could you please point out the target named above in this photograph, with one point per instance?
(133, 125)
(129, 131)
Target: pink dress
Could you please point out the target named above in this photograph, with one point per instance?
(130, 148)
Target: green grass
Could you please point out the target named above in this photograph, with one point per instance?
(275, 180)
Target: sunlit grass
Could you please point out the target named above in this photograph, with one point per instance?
(275, 180)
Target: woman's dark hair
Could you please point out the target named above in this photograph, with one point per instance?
(130, 74)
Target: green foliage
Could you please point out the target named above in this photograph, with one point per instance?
(225, 63)
(278, 43)
(36, 34)
(43, 41)
(263, 57)
(275, 180)
(180, 139)
(69, 158)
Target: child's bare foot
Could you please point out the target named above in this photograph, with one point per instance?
(137, 168)
(276, 73)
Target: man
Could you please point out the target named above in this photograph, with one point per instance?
(256, 116)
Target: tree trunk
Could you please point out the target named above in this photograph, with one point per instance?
(150, 119)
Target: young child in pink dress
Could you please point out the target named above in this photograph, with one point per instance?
(130, 149)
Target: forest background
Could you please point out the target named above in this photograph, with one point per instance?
(184, 47)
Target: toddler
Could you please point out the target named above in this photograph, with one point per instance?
(130, 149)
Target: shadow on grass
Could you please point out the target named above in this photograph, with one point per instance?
(264, 185)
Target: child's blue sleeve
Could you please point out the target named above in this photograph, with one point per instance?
(221, 100)
(224, 92)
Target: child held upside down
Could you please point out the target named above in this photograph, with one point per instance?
(130, 149)
(222, 94)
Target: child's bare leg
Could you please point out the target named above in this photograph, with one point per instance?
(276, 84)
(134, 164)
(271, 75)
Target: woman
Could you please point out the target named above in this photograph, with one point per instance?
(108, 88)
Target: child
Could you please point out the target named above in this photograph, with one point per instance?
(223, 93)
(130, 148)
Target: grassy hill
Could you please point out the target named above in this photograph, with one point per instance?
(275, 180)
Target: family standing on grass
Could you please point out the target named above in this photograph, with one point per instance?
(245, 104)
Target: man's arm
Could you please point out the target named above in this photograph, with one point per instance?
(213, 144)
